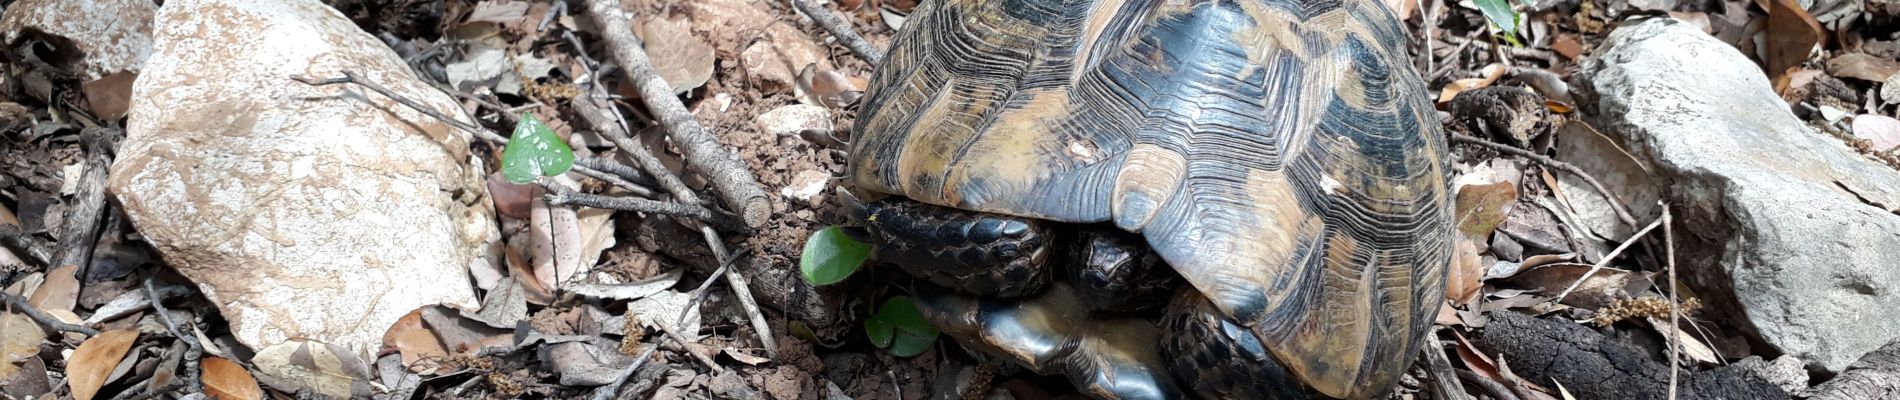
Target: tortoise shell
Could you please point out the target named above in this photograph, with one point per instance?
(1281, 155)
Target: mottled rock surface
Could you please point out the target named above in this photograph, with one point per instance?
(1785, 231)
(323, 213)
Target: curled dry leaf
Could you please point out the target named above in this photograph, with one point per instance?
(1461, 286)
(1790, 36)
(1883, 131)
(226, 380)
(95, 359)
(1481, 207)
(1692, 349)
(323, 369)
(1626, 177)
(1866, 67)
(421, 351)
(1489, 75)
(1567, 45)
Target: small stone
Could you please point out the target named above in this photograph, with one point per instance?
(806, 186)
(794, 119)
(783, 51)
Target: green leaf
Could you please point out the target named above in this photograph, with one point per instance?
(1500, 14)
(534, 152)
(830, 256)
(899, 328)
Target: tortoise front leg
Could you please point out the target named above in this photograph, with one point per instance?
(1052, 332)
(978, 253)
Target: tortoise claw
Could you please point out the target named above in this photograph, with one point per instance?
(1052, 332)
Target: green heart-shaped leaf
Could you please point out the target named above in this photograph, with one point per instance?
(1500, 14)
(905, 331)
(830, 256)
(534, 152)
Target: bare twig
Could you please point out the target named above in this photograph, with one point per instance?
(81, 234)
(1606, 258)
(10, 235)
(1675, 309)
(743, 291)
(559, 195)
(1622, 211)
(841, 29)
(155, 392)
(738, 188)
(581, 163)
(612, 390)
(19, 304)
(1438, 367)
(1493, 388)
(193, 351)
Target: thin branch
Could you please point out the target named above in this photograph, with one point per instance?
(81, 233)
(1606, 258)
(1675, 309)
(742, 290)
(1622, 211)
(612, 390)
(1491, 387)
(593, 113)
(841, 30)
(738, 188)
(581, 163)
(193, 351)
(559, 195)
(1444, 383)
(20, 305)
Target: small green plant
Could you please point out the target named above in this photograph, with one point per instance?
(830, 256)
(1500, 14)
(899, 328)
(534, 152)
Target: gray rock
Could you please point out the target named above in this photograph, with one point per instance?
(320, 213)
(1784, 231)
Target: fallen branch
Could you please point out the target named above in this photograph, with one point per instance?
(1493, 388)
(19, 304)
(619, 131)
(1593, 366)
(83, 220)
(841, 30)
(738, 188)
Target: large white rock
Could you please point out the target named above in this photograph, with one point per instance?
(323, 213)
(112, 35)
(1785, 231)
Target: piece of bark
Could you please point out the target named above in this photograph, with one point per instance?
(1875, 376)
(1593, 366)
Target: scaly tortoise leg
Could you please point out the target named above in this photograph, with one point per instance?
(978, 253)
(1052, 332)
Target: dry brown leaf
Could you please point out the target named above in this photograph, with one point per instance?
(1447, 315)
(226, 380)
(108, 97)
(1622, 173)
(94, 360)
(20, 339)
(1883, 131)
(1567, 45)
(1475, 360)
(741, 356)
(1461, 286)
(1481, 207)
(1692, 349)
(1862, 66)
(58, 292)
(1490, 75)
(1791, 35)
(682, 59)
(1601, 289)
(321, 368)
(420, 349)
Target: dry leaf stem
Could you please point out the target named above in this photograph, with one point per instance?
(738, 189)
(1675, 308)
(1606, 258)
(560, 195)
(1493, 388)
(841, 30)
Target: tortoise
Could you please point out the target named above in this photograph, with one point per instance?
(1054, 170)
